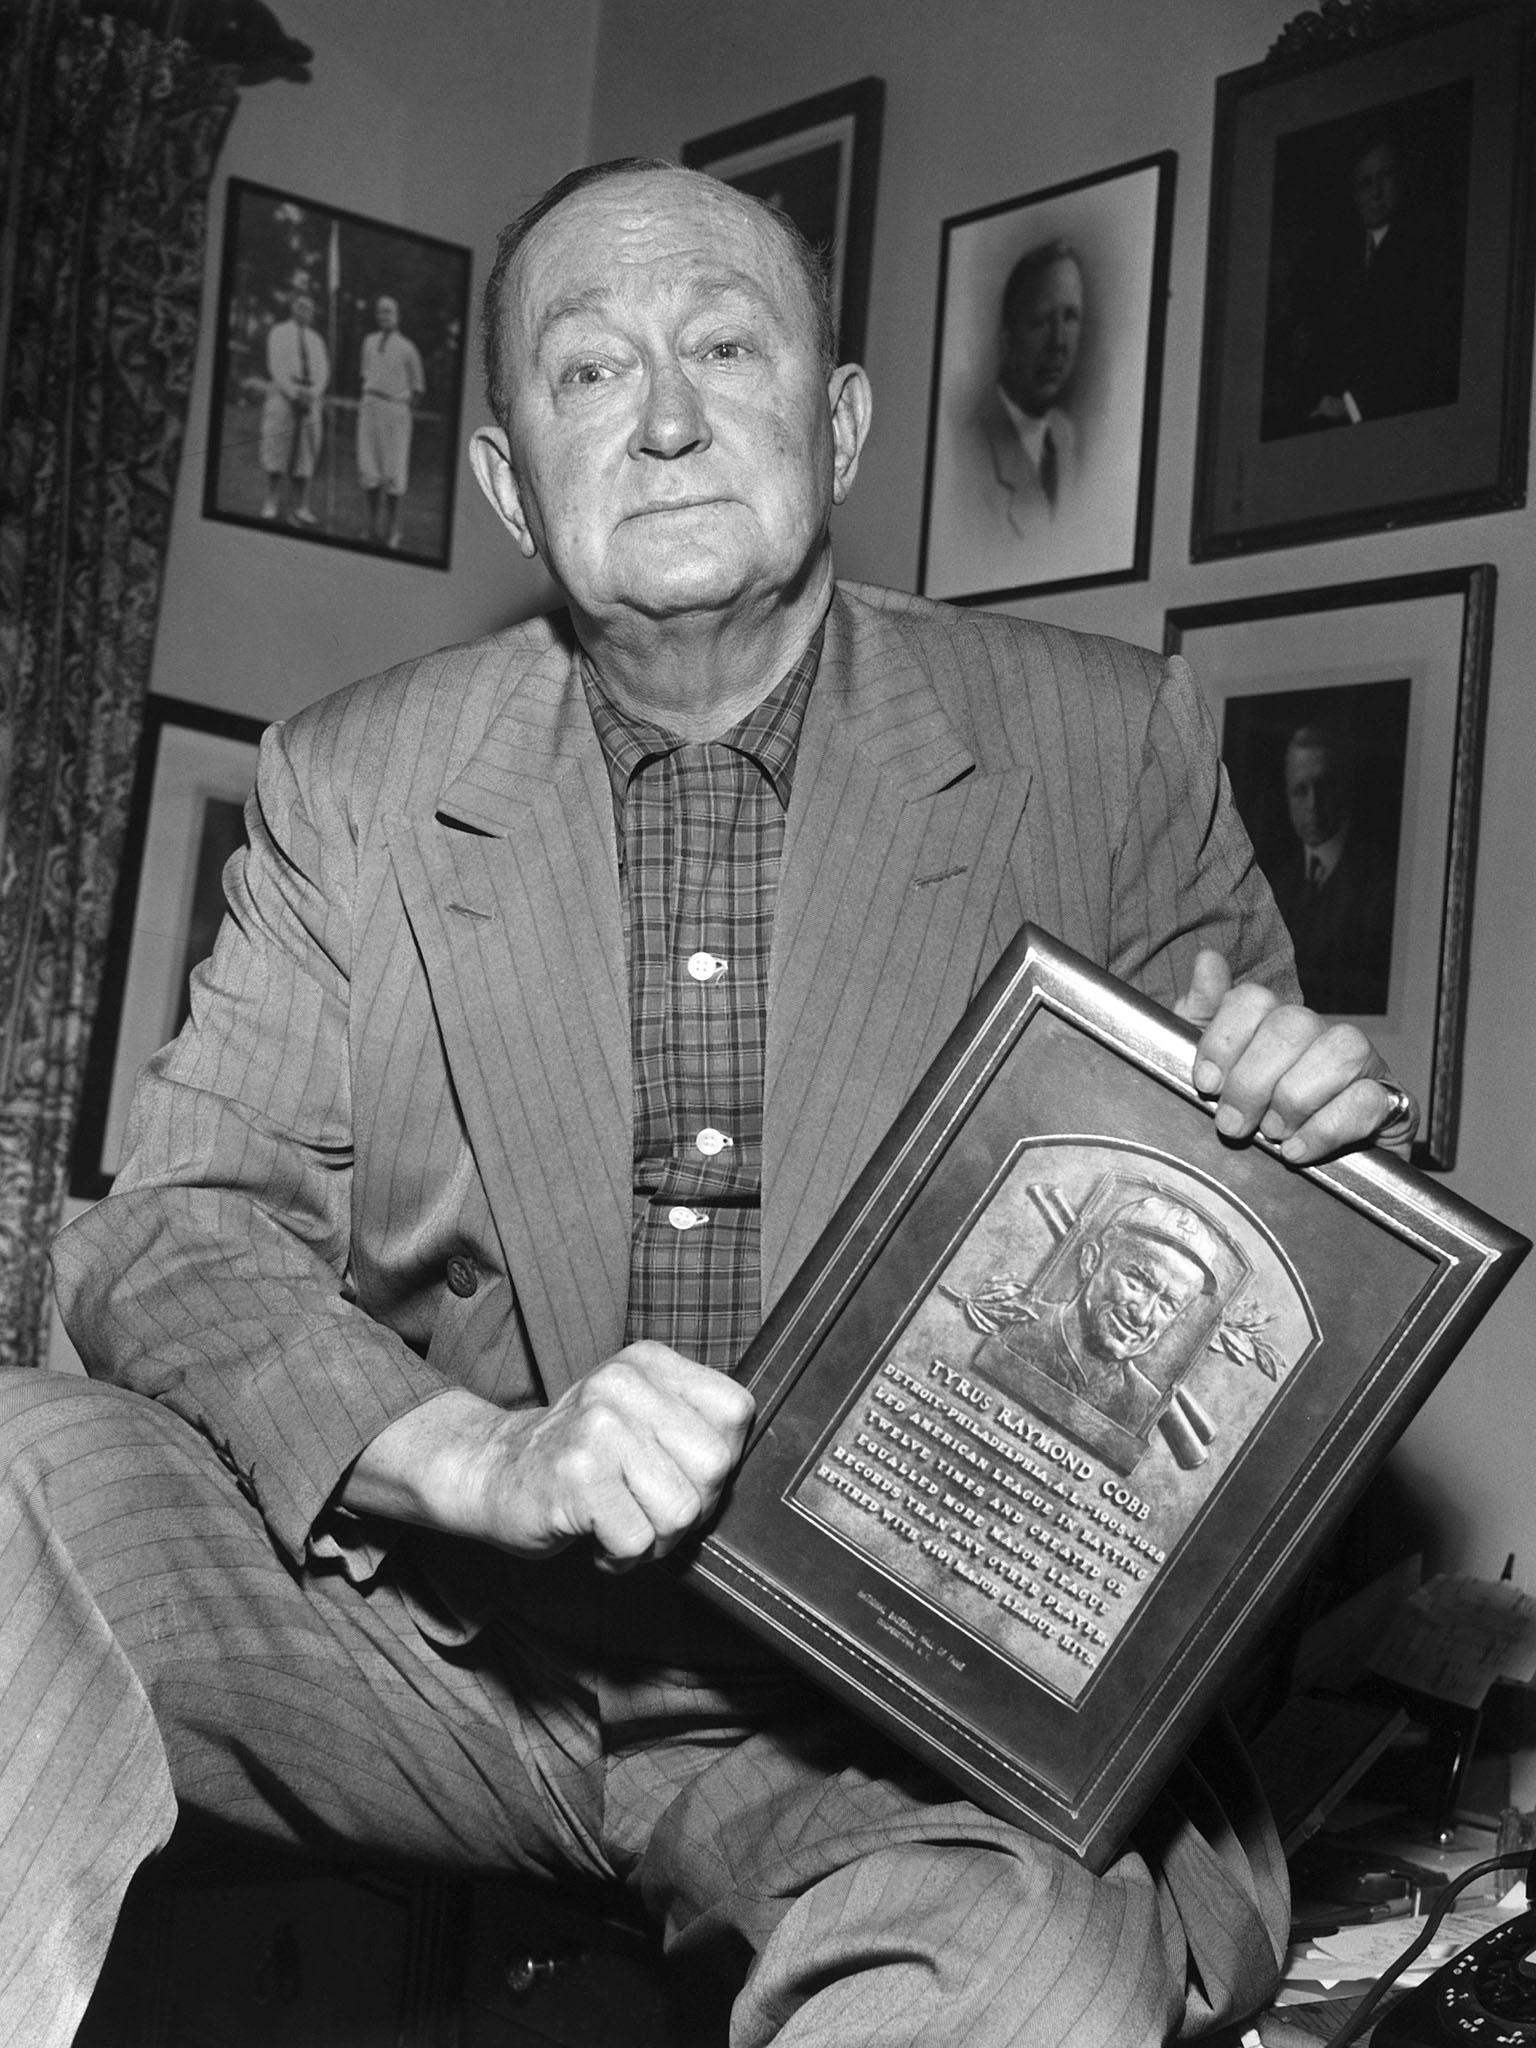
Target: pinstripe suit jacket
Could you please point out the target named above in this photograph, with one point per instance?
(412, 1045)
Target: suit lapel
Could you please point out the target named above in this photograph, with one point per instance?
(895, 897)
(512, 893)
(893, 883)
(1015, 477)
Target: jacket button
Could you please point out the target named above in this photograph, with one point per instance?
(462, 1277)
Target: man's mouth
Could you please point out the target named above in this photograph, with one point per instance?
(1123, 1332)
(672, 505)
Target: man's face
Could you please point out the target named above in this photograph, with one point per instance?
(673, 440)
(387, 313)
(1040, 345)
(1136, 1289)
(1315, 793)
(304, 311)
(1375, 186)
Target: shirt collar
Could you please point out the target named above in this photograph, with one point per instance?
(1031, 426)
(1324, 858)
(769, 734)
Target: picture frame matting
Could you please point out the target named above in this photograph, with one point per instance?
(1047, 372)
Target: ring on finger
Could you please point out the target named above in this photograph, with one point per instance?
(1402, 1118)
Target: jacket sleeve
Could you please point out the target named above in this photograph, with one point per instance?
(214, 1276)
(1184, 874)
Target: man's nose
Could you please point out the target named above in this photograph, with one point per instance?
(672, 420)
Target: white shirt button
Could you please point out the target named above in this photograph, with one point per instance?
(705, 967)
(710, 1141)
(685, 1219)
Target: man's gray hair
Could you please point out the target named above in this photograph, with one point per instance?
(810, 262)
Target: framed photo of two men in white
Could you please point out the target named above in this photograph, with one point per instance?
(1063, 1357)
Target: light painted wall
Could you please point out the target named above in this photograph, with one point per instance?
(989, 99)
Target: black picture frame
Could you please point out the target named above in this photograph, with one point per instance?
(279, 249)
(1028, 1579)
(1395, 669)
(195, 768)
(818, 159)
(1438, 338)
(991, 528)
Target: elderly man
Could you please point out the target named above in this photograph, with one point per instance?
(570, 979)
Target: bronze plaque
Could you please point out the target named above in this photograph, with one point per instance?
(1070, 1393)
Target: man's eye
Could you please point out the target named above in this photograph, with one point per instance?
(585, 373)
(725, 351)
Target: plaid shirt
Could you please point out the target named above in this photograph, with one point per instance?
(700, 832)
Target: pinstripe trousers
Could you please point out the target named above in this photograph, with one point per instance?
(156, 1651)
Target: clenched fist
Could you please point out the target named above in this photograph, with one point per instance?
(633, 1457)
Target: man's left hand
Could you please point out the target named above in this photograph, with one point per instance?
(1311, 1087)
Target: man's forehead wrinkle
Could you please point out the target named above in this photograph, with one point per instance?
(673, 220)
(689, 278)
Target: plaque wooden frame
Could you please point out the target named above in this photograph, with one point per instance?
(971, 1506)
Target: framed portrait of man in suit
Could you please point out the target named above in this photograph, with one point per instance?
(1042, 427)
(1368, 309)
(1352, 732)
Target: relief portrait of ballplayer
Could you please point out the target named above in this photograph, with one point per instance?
(571, 978)
(1115, 1316)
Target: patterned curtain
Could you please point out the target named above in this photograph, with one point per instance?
(108, 137)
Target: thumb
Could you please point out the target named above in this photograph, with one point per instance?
(1208, 983)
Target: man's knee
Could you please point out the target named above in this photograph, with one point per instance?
(54, 1424)
(967, 1943)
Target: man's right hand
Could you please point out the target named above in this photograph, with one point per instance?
(633, 1457)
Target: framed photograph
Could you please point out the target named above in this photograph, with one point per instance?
(338, 378)
(1047, 364)
(1062, 1355)
(1367, 358)
(1351, 721)
(819, 160)
(186, 816)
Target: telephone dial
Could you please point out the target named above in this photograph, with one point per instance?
(1485, 1996)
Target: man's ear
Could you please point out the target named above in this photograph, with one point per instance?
(1089, 1254)
(852, 405)
(491, 460)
